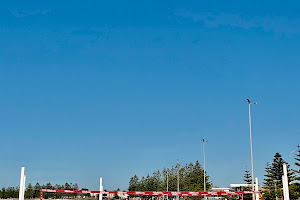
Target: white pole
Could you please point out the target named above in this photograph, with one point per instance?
(101, 189)
(204, 179)
(276, 189)
(177, 178)
(167, 184)
(22, 184)
(285, 183)
(252, 174)
(256, 189)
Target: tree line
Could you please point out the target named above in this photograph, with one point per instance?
(272, 185)
(34, 191)
(191, 178)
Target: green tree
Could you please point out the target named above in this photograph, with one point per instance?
(12, 192)
(297, 164)
(191, 178)
(273, 175)
(29, 191)
(247, 176)
(295, 185)
(37, 189)
(67, 186)
(248, 180)
(133, 183)
(75, 186)
(3, 193)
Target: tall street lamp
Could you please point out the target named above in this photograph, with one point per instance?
(204, 164)
(167, 183)
(252, 175)
(178, 165)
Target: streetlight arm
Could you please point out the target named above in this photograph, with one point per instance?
(293, 152)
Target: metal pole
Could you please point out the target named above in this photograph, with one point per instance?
(101, 189)
(167, 184)
(177, 178)
(252, 174)
(276, 190)
(285, 183)
(22, 184)
(204, 164)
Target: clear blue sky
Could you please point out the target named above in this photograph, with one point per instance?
(113, 89)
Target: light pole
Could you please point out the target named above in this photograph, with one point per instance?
(204, 165)
(252, 176)
(177, 177)
(275, 181)
(167, 183)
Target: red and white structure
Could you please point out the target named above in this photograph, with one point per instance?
(153, 193)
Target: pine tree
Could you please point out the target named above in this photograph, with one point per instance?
(268, 180)
(297, 163)
(190, 179)
(295, 186)
(247, 176)
(273, 175)
(29, 191)
(3, 193)
(37, 189)
(248, 180)
(133, 183)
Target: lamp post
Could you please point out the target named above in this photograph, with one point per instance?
(204, 178)
(251, 154)
(167, 183)
(178, 165)
(275, 181)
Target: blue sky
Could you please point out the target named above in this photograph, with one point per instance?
(118, 88)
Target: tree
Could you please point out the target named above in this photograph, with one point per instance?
(247, 176)
(295, 186)
(248, 180)
(191, 178)
(3, 193)
(37, 189)
(67, 186)
(75, 186)
(29, 191)
(12, 192)
(133, 183)
(273, 175)
(297, 163)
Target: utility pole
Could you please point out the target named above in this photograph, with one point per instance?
(178, 177)
(167, 183)
(251, 154)
(275, 181)
(204, 178)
